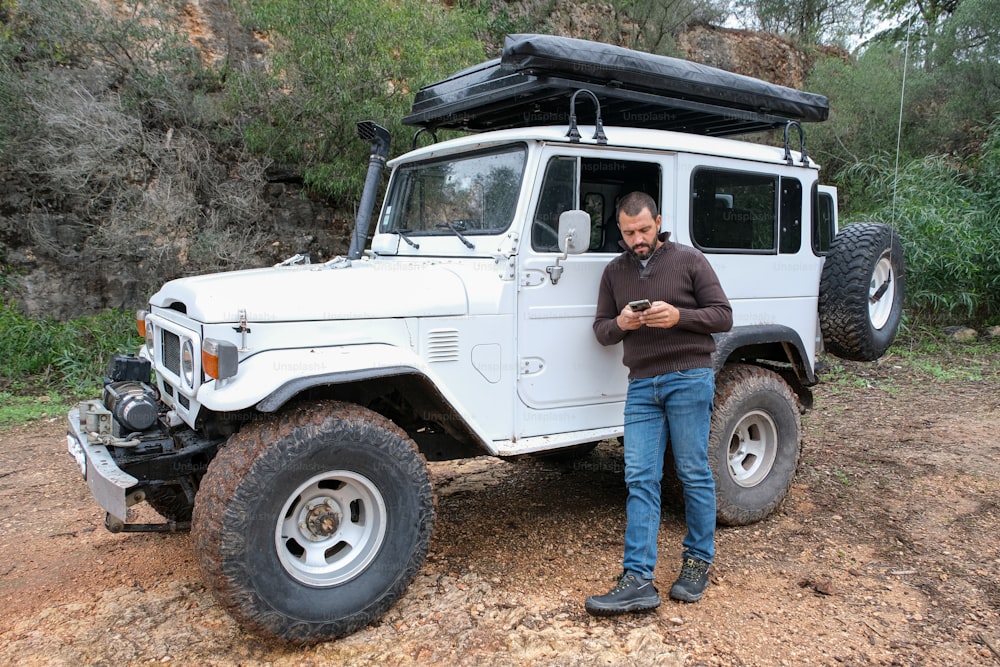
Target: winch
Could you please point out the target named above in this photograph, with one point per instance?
(128, 395)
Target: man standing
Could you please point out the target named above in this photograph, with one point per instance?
(676, 304)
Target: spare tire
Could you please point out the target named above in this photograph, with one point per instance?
(861, 291)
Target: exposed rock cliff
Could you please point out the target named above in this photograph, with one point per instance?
(221, 213)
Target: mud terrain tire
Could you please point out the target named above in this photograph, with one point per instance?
(754, 444)
(170, 502)
(310, 526)
(861, 291)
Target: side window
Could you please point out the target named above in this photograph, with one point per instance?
(558, 195)
(607, 181)
(734, 210)
(791, 215)
(594, 185)
(593, 204)
(824, 222)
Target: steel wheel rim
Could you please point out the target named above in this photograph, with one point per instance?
(753, 447)
(879, 310)
(331, 528)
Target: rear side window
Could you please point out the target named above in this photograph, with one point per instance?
(824, 222)
(790, 229)
(733, 210)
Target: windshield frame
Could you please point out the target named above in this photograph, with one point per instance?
(407, 199)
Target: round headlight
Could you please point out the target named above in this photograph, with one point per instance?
(187, 362)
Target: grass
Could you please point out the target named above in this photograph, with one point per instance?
(945, 213)
(922, 354)
(21, 409)
(46, 365)
(931, 355)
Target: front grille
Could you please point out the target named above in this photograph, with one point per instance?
(170, 351)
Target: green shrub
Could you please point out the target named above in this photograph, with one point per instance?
(948, 218)
(45, 355)
(336, 63)
(861, 124)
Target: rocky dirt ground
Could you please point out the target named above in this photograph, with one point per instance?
(886, 552)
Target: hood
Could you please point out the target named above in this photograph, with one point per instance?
(362, 290)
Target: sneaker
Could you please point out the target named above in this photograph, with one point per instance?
(629, 595)
(692, 582)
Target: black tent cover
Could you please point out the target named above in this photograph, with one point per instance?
(536, 75)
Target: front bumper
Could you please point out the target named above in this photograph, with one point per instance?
(108, 483)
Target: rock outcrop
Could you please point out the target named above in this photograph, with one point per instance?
(57, 254)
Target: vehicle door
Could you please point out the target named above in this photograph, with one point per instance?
(567, 381)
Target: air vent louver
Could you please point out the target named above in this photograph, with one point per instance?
(442, 345)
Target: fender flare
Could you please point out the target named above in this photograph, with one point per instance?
(277, 398)
(266, 373)
(361, 363)
(728, 342)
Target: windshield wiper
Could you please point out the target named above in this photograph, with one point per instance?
(403, 235)
(454, 229)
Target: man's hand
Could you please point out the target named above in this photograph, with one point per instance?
(628, 319)
(661, 315)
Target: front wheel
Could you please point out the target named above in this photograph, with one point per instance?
(754, 443)
(171, 502)
(311, 526)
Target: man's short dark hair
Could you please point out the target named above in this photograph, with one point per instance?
(633, 203)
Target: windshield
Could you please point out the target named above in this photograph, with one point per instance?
(471, 194)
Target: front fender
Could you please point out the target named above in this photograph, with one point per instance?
(271, 379)
(268, 379)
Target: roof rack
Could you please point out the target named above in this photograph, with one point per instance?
(535, 77)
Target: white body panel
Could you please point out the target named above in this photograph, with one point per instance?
(511, 351)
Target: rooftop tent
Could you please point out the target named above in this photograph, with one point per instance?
(532, 82)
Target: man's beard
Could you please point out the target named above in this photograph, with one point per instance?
(645, 252)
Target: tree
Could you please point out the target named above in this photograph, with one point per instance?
(968, 45)
(923, 23)
(954, 51)
(862, 124)
(336, 63)
(807, 22)
(112, 146)
(651, 25)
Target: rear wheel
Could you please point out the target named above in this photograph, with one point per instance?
(754, 443)
(310, 527)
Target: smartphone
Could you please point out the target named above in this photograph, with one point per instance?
(641, 304)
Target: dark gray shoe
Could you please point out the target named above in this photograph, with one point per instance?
(690, 586)
(629, 595)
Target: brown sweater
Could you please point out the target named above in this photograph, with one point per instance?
(681, 276)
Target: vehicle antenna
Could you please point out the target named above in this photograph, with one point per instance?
(890, 277)
(899, 123)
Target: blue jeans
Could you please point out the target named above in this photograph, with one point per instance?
(679, 405)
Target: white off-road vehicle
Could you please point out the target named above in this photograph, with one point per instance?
(286, 414)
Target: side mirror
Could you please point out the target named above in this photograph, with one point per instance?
(574, 232)
(574, 238)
